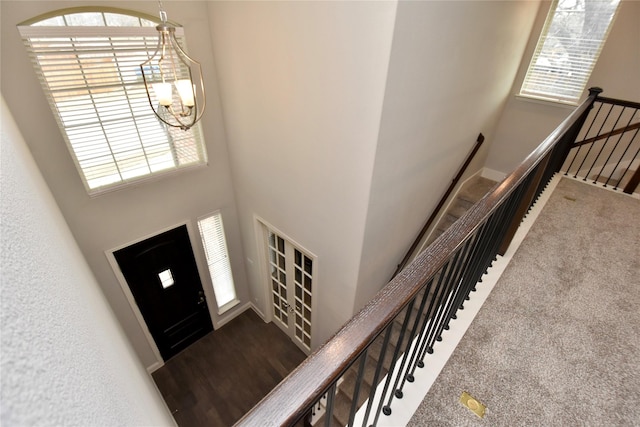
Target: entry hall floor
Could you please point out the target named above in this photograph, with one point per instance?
(215, 381)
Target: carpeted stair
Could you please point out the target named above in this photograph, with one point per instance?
(471, 193)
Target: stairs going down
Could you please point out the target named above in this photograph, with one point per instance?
(470, 194)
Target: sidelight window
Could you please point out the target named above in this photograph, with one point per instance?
(215, 249)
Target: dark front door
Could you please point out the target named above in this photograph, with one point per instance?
(163, 277)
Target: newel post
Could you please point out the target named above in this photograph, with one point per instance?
(550, 164)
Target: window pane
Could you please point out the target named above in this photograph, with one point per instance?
(215, 247)
(568, 48)
(93, 82)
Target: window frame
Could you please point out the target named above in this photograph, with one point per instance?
(556, 98)
(150, 147)
(224, 257)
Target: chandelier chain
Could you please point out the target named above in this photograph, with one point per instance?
(163, 14)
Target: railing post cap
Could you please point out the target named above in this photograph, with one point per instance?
(595, 90)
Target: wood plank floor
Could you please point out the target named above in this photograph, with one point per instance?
(218, 379)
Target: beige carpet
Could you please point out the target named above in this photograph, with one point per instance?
(557, 343)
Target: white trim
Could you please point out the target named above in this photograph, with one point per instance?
(635, 195)
(125, 185)
(154, 367)
(259, 312)
(262, 228)
(233, 303)
(134, 307)
(86, 31)
(130, 298)
(236, 313)
(228, 306)
(259, 230)
(548, 101)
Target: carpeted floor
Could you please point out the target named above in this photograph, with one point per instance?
(557, 343)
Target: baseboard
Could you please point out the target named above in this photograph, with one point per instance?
(235, 313)
(493, 174)
(154, 367)
(258, 312)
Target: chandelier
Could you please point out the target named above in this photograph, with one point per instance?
(173, 80)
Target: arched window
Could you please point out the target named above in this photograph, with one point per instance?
(88, 61)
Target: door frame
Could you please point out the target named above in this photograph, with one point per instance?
(261, 227)
(208, 290)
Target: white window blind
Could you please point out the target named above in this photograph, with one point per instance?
(568, 48)
(215, 248)
(92, 79)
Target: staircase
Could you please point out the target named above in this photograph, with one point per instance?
(471, 193)
(346, 387)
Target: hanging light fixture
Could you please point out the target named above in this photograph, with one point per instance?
(173, 80)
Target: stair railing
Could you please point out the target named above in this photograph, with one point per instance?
(406, 318)
(437, 210)
(607, 150)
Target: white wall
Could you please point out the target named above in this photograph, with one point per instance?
(302, 86)
(65, 361)
(452, 66)
(526, 123)
(111, 220)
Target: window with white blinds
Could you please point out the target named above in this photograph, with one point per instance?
(568, 48)
(89, 67)
(215, 249)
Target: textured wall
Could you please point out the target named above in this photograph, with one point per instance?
(64, 359)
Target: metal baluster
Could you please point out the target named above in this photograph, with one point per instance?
(448, 286)
(452, 305)
(412, 334)
(328, 415)
(604, 144)
(456, 301)
(598, 133)
(428, 318)
(356, 391)
(626, 149)
(376, 375)
(425, 319)
(593, 120)
(386, 409)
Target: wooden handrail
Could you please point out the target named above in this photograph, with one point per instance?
(294, 396)
(436, 210)
(620, 102)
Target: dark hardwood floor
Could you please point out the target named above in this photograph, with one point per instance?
(218, 379)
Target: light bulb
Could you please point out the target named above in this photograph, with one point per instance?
(163, 93)
(185, 89)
